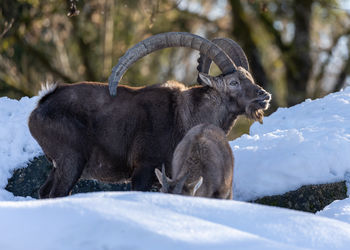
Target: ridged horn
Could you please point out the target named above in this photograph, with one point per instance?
(167, 40)
(180, 184)
(231, 48)
(164, 179)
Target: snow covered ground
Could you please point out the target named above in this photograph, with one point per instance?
(134, 220)
(17, 146)
(306, 144)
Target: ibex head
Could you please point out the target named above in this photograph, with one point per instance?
(227, 55)
(250, 98)
(177, 186)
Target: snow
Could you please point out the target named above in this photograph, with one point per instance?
(339, 210)
(305, 144)
(17, 146)
(135, 220)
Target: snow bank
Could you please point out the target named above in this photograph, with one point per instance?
(339, 210)
(135, 220)
(17, 146)
(305, 144)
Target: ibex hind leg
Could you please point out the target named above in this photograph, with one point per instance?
(45, 189)
(226, 194)
(66, 172)
(230, 195)
(223, 194)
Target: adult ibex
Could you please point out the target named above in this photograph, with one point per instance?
(88, 133)
(202, 165)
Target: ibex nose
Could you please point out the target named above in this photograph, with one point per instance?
(263, 95)
(260, 92)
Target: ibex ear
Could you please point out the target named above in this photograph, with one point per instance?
(196, 185)
(206, 79)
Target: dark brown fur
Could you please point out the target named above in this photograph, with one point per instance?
(87, 133)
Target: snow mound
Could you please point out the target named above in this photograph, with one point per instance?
(339, 210)
(135, 220)
(17, 146)
(305, 144)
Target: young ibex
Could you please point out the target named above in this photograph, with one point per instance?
(88, 133)
(202, 165)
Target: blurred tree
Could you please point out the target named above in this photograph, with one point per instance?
(291, 35)
(296, 49)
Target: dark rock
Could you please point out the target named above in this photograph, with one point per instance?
(308, 198)
(27, 181)
(86, 186)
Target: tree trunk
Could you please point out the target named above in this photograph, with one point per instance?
(299, 64)
(242, 32)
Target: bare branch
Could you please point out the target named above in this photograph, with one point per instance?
(43, 58)
(268, 23)
(73, 10)
(323, 66)
(342, 76)
(7, 27)
(11, 78)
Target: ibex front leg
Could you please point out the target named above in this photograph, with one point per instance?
(143, 177)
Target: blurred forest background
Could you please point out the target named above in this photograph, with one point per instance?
(297, 49)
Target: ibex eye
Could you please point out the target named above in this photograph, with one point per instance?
(234, 83)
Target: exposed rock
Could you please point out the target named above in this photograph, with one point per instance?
(309, 198)
(27, 181)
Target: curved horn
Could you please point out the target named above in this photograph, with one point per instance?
(231, 48)
(166, 40)
(164, 178)
(179, 186)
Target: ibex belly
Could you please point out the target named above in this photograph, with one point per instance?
(101, 167)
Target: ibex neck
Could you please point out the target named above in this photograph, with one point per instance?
(205, 105)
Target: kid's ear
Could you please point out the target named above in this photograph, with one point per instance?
(206, 79)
